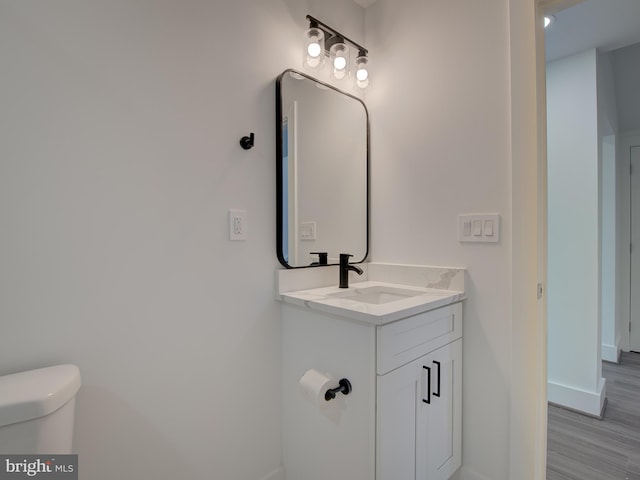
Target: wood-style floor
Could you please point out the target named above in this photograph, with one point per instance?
(584, 448)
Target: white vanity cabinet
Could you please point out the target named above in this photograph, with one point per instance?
(418, 420)
(402, 421)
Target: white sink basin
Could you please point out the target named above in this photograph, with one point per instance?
(377, 294)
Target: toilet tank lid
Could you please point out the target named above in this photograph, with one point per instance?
(36, 393)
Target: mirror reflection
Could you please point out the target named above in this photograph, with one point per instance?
(322, 172)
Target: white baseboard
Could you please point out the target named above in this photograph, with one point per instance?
(277, 474)
(610, 353)
(587, 402)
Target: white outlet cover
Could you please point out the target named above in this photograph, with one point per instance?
(237, 224)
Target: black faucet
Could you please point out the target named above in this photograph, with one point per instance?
(344, 270)
(323, 258)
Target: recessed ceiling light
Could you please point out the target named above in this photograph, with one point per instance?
(548, 20)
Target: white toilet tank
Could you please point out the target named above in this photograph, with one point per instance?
(37, 410)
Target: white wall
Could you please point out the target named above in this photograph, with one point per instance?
(439, 104)
(610, 334)
(626, 65)
(623, 235)
(528, 175)
(574, 329)
(607, 139)
(119, 160)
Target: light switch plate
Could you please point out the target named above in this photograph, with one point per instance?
(481, 228)
(307, 231)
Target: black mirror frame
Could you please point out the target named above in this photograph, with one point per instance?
(279, 168)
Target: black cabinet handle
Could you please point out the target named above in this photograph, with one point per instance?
(434, 393)
(428, 400)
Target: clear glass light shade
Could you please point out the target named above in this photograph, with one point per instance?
(339, 55)
(362, 72)
(313, 53)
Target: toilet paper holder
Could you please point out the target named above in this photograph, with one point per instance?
(344, 387)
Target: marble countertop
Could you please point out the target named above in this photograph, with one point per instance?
(358, 302)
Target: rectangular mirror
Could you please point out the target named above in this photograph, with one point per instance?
(322, 142)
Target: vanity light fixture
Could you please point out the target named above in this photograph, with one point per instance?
(322, 41)
(362, 70)
(313, 52)
(339, 55)
(548, 20)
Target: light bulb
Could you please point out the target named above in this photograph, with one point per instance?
(362, 71)
(314, 49)
(339, 54)
(312, 54)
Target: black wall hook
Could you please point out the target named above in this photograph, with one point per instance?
(345, 387)
(247, 142)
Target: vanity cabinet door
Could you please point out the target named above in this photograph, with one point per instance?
(419, 417)
(442, 418)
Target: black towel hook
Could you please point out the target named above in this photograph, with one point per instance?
(247, 142)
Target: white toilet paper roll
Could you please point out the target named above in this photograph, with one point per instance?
(314, 385)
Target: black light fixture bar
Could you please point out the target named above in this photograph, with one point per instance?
(315, 23)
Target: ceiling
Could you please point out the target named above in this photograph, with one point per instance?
(365, 3)
(603, 24)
